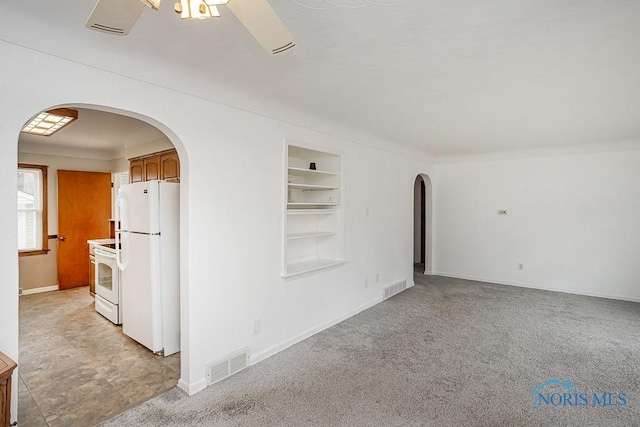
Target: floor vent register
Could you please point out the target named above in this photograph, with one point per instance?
(391, 290)
(226, 366)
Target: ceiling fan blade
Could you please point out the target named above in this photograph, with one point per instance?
(264, 24)
(153, 4)
(115, 16)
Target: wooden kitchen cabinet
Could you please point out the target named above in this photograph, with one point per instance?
(136, 170)
(164, 165)
(152, 168)
(170, 166)
(6, 369)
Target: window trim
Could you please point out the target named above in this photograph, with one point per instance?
(45, 216)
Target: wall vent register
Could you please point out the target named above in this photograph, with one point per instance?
(314, 235)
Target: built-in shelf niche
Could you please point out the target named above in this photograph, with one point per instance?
(314, 235)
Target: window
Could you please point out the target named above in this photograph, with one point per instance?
(32, 209)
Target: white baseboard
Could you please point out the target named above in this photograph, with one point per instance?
(192, 389)
(542, 288)
(258, 357)
(40, 290)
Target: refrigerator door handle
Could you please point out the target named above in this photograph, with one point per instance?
(121, 212)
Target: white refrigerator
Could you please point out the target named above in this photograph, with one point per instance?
(149, 260)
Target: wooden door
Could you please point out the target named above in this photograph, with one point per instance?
(84, 209)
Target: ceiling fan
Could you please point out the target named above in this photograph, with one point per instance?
(118, 17)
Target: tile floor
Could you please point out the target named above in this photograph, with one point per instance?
(77, 368)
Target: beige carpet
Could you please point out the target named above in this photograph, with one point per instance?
(443, 353)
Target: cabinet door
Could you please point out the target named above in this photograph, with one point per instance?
(136, 169)
(170, 166)
(152, 168)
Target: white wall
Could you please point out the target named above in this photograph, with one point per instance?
(232, 206)
(573, 222)
(39, 271)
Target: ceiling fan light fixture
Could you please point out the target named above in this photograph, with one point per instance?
(258, 17)
(195, 9)
(49, 122)
(153, 4)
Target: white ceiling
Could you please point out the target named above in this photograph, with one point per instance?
(450, 77)
(95, 134)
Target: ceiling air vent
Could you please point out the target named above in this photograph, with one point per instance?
(115, 16)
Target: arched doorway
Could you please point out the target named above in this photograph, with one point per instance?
(114, 165)
(422, 229)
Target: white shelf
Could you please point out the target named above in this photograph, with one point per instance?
(310, 234)
(313, 265)
(295, 171)
(314, 215)
(312, 212)
(312, 187)
(293, 204)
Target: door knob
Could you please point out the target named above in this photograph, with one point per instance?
(62, 238)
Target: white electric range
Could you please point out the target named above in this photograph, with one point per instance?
(108, 295)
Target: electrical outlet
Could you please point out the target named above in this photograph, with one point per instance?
(377, 277)
(366, 283)
(257, 326)
(520, 267)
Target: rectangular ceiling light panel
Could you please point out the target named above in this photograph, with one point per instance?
(49, 122)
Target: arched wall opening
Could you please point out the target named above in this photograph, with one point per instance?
(184, 167)
(423, 224)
